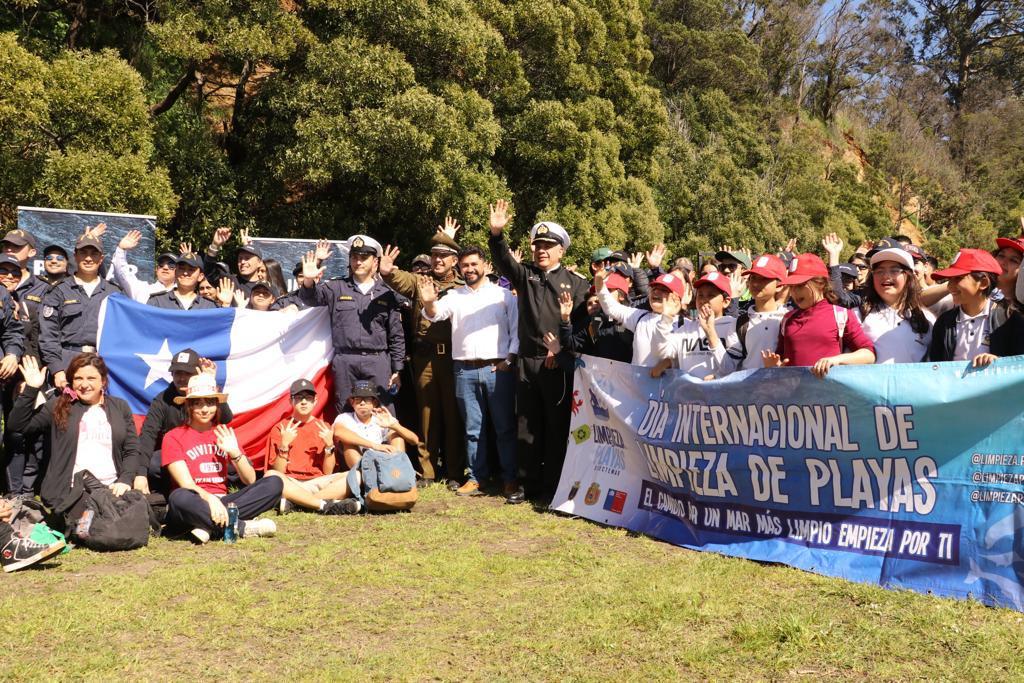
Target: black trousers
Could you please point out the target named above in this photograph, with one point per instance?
(544, 402)
(349, 368)
(24, 456)
(187, 511)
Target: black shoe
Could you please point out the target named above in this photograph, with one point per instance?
(347, 506)
(453, 485)
(422, 483)
(17, 552)
(514, 494)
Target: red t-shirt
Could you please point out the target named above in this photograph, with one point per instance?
(809, 334)
(207, 463)
(306, 457)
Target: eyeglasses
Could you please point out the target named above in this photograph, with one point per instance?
(860, 266)
(889, 272)
(55, 257)
(299, 398)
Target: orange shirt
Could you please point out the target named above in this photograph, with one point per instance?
(306, 457)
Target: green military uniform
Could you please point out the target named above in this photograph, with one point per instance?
(430, 355)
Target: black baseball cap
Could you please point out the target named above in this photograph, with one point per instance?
(19, 238)
(10, 260)
(55, 247)
(267, 286)
(301, 386)
(848, 270)
(186, 259)
(186, 360)
(251, 249)
(364, 389)
(87, 241)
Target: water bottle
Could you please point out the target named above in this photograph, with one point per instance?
(231, 530)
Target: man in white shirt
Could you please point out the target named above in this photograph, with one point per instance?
(485, 342)
(137, 289)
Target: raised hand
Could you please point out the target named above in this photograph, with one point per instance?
(130, 241)
(325, 432)
(221, 237)
(241, 300)
(600, 275)
(310, 269)
(706, 318)
(833, 247)
(791, 245)
(226, 291)
(387, 260)
(551, 343)
(97, 231)
(770, 359)
(323, 251)
(185, 248)
(565, 305)
(656, 255)
(244, 236)
(289, 432)
(384, 418)
(451, 226)
(499, 216)
(671, 306)
(635, 260)
(426, 289)
(517, 254)
(207, 366)
(227, 441)
(33, 374)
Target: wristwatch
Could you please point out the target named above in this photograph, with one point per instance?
(328, 449)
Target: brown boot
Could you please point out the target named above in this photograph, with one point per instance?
(470, 488)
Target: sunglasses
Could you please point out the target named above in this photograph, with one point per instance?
(55, 257)
(727, 267)
(166, 264)
(9, 272)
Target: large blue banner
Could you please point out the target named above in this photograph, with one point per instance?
(906, 476)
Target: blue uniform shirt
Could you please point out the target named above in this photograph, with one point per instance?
(170, 300)
(361, 322)
(70, 321)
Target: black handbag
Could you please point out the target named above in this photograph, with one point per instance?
(97, 519)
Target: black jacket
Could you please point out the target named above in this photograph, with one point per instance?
(163, 416)
(1006, 336)
(64, 442)
(537, 297)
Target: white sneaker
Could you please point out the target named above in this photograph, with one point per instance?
(285, 506)
(201, 535)
(258, 528)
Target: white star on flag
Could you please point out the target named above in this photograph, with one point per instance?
(159, 364)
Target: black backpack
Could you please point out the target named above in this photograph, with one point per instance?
(97, 519)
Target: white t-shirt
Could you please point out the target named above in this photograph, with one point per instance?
(689, 347)
(895, 341)
(972, 333)
(95, 446)
(89, 287)
(762, 335)
(640, 322)
(371, 431)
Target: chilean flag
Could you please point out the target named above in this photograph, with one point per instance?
(258, 354)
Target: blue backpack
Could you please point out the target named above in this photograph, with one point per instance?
(384, 482)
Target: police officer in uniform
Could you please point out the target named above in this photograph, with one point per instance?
(366, 326)
(71, 310)
(185, 295)
(544, 396)
(431, 359)
(56, 264)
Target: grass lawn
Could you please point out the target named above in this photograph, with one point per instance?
(473, 589)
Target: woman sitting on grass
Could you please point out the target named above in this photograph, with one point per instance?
(196, 456)
(89, 430)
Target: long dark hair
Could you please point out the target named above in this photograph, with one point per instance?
(275, 275)
(908, 306)
(63, 406)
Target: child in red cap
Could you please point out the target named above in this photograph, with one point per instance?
(757, 328)
(975, 328)
(1009, 254)
(819, 334)
(697, 346)
(641, 322)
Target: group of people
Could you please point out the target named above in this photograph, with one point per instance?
(487, 338)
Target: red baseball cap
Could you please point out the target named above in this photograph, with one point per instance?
(970, 261)
(805, 267)
(769, 266)
(616, 281)
(718, 280)
(1011, 243)
(672, 283)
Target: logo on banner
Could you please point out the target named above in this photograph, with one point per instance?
(600, 412)
(615, 501)
(593, 493)
(609, 436)
(581, 434)
(609, 461)
(577, 402)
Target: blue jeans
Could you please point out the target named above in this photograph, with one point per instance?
(483, 393)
